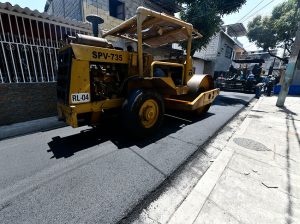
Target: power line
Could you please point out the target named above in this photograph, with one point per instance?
(257, 11)
(250, 11)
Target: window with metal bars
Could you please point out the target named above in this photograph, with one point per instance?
(117, 9)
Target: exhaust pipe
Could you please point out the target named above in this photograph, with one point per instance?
(95, 21)
(91, 40)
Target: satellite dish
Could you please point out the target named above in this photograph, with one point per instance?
(95, 21)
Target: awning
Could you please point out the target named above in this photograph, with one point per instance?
(158, 29)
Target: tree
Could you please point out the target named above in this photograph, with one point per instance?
(205, 15)
(277, 30)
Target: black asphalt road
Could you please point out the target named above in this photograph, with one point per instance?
(97, 176)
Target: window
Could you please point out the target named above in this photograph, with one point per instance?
(228, 52)
(117, 9)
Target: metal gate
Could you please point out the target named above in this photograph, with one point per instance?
(29, 45)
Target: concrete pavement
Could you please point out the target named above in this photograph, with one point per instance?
(255, 178)
(23, 128)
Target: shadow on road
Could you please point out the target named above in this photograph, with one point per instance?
(112, 130)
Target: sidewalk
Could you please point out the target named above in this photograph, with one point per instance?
(256, 177)
(22, 128)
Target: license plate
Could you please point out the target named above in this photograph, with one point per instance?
(80, 98)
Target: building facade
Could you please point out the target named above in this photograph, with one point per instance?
(218, 55)
(220, 52)
(29, 43)
(112, 11)
(65, 8)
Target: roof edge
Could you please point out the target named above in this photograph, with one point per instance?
(29, 12)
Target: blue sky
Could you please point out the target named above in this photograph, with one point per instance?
(37, 4)
(261, 9)
(264, 8)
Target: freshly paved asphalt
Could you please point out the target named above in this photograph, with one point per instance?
(97, 176)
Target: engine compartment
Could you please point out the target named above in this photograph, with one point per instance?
(106, 80)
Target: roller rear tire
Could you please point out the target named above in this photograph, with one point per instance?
(143, 112)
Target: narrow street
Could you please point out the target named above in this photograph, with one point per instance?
(150, 112)
(83, 175)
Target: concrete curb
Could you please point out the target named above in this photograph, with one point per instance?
(189, 209)
(28, 127)
(192, 205)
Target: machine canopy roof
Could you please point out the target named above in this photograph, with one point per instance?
(158, 29)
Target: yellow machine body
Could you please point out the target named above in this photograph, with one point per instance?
(93, 80)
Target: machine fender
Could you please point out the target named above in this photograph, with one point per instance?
(126, 86)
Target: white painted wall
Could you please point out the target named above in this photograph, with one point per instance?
(210, 52)
(198, 64)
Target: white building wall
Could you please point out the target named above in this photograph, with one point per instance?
(223, 61)
(210, 52)
(198, 64)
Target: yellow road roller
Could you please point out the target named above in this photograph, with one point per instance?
(94, 77)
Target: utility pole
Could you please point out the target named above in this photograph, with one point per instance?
(291, 67)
